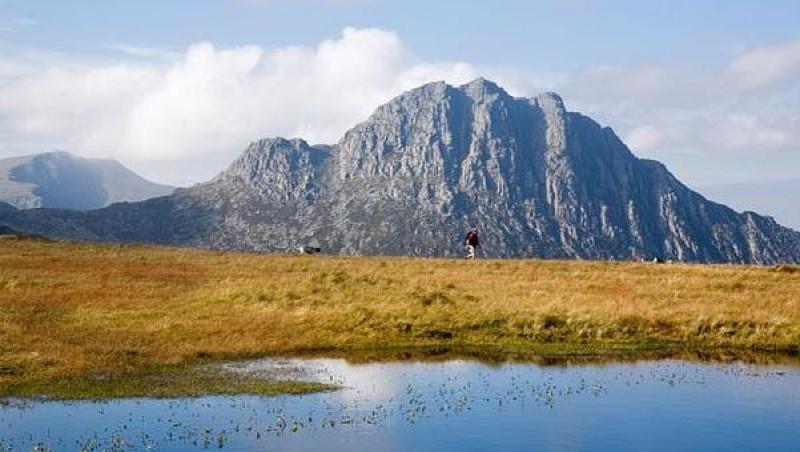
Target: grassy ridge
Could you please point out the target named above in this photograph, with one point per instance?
(71, 311)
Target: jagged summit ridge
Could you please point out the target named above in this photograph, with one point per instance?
(535, 178)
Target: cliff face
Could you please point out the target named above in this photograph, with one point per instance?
(536, 180)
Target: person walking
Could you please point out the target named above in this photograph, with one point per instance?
(471, 241)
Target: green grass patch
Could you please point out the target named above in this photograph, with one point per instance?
(163, 382)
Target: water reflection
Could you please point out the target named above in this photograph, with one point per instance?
(449, 404)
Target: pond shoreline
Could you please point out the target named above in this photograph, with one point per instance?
(210, 377)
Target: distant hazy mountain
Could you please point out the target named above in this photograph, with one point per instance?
(61, 180)
(779, 198)
(536, 180)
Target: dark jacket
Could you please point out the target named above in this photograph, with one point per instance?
(472, 239)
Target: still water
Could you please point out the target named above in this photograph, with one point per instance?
(662, 405)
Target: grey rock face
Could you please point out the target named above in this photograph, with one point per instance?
(60, 180)
(535, 179)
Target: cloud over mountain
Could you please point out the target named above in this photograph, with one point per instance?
(211, 101)
(181, 114)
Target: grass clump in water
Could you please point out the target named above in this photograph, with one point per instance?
(158, 382)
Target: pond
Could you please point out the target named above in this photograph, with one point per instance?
(458, 404)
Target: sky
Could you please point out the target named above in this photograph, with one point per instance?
(175, 89)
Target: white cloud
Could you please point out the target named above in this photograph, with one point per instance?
(144, 52)
(750, 133)
(764, 66)
(180, 116)
(645, 83)
(645, 138)
(750, 105)
(210, 102)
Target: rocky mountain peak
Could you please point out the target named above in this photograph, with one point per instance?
(59, 179)
(549, 101)
(266, 154)
(276, 168)
(482, 89)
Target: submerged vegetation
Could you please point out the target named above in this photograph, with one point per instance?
(88, 320)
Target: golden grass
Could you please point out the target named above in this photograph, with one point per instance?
(72, 310)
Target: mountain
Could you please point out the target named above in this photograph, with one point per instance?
(535, 179)
(61, 180)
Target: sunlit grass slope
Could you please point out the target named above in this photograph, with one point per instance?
(72, 311)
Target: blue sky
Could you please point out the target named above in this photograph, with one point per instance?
(176, 88)
(562, 35)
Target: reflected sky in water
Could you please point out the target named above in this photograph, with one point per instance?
(452, 405)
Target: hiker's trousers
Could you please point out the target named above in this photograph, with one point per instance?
(470, 251)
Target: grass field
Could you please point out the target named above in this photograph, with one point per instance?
(87, 320)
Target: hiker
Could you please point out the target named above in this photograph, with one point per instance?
(470, 242)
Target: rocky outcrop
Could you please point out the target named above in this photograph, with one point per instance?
(536, 179)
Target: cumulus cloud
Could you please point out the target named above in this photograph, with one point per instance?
(210, 102)
(182, 115)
